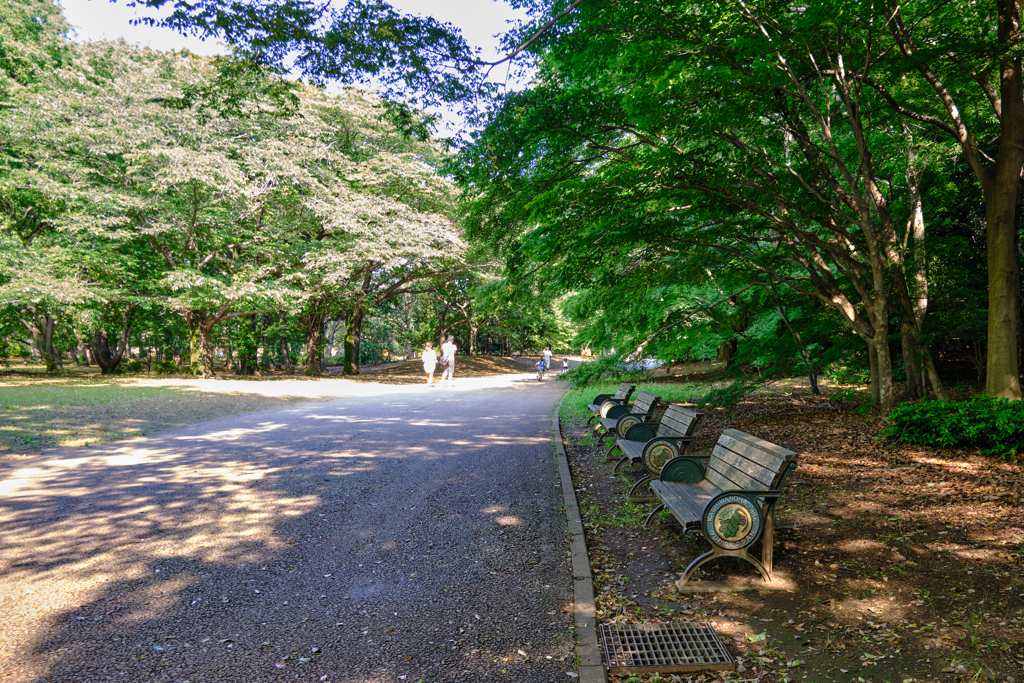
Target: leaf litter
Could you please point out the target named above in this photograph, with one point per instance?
(907, 561)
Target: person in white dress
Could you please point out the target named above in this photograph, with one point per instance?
(448, 350)
(429, 362)
(547, 356)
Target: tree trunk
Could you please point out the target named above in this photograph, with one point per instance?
(40, 326)
(1002, 374)
(289, 369)
(873, 365)
(727, 352)
(999, 184)
(473, 327)
(353, 332)
(110, 360)
(314, 320)
(200, 338)
(911, 364)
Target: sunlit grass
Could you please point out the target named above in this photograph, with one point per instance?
(39, 412)
(574, 405)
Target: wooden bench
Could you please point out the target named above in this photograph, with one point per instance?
(731, 502)
(619, 397)
(617, 419)
(674, 432)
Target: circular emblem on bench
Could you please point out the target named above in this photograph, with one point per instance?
(658, 456)
(732, 522)
(625, 423)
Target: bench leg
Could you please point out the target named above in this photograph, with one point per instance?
(767, 540)
(635, 497)
(608, 455)
(657, 508)
(591, 419)
(717, 552)
(620, 463)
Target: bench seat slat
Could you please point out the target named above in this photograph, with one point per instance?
(685, 501)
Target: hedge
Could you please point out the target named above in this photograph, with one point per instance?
(996, 426)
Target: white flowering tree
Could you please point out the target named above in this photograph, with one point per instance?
(241, 192)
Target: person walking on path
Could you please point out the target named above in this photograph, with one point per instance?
(565, 365)
(429, 362)
(547, 356)
(448, 360)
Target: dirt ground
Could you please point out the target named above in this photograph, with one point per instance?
(901, 563)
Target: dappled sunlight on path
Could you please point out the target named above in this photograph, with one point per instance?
(203, 531)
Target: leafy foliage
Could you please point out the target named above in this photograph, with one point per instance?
(996, 426)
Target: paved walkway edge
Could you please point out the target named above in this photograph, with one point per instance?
(588, 652)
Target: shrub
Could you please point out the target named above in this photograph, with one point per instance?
(133, 366)
(728, 396)
(996, 426)
(165, 367)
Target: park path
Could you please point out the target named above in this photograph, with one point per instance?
(395, 533)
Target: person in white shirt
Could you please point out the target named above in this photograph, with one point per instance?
(429, 362)
(547, 356)
(448, 359)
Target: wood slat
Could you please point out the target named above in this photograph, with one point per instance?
(683, 428)
(634, 449)
(725, 477)
(726, 461)
(761, 444)
(624, 390)
(644, 402)
(685, 501)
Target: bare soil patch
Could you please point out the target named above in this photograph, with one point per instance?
(905, 561)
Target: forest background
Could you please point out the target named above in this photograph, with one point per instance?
(825, 190)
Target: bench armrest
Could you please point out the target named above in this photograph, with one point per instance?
(642, 432)
(685, 469)
(601, 398)
(613, 411)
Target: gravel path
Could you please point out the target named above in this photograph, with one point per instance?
(397, 533)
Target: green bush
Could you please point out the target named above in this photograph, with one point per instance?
(133, 366)
(996, 426)
(165, 367)
(844, 374)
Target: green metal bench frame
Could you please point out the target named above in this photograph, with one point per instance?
(619, 418)
(621, 396)
(654, 444)
(731, 502)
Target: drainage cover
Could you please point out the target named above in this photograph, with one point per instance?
(664, 648)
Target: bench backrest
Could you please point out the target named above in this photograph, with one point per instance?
(624, 391)
(678, 421)
(645, 403)
(745, 462)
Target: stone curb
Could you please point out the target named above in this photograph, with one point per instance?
(591, 667)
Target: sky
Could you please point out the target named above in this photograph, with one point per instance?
(479, 20)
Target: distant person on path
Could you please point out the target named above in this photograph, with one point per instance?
(448, 359)
(547, 356)
(429, 362)
(541, 367)
(565, 365)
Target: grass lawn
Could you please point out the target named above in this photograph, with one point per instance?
(80, 409)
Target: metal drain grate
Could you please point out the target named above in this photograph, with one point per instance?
(664, 648)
